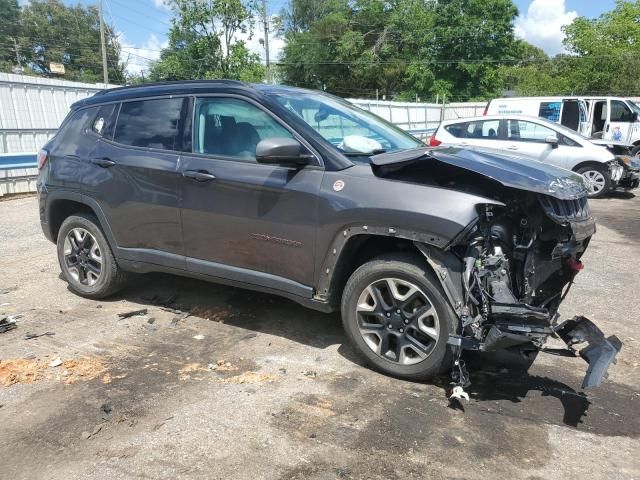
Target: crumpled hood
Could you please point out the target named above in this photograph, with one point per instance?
(509, 170)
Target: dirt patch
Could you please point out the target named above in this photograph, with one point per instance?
(250, 377)
(21, 370)
(83, 368)
(214, 314)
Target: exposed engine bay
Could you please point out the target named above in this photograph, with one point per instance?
(519, 259)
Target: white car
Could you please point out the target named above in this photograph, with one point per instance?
(536, 139)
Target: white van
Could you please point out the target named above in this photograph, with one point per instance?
(614, 118)
(568, 111)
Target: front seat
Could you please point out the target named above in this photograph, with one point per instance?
(492, 133)
(245, 140)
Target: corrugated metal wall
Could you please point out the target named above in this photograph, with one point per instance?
(32, 108)
(419, 118)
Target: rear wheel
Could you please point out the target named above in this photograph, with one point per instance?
(597, 179)
(397, 318)
(86, 260)
(635, 151)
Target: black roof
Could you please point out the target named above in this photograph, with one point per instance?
(179, 88)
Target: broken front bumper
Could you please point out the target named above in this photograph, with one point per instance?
(599, 353)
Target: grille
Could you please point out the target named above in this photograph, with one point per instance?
(577, 209)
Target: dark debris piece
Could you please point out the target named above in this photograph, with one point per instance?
(133, 313)
(30, 336)
(6, 325)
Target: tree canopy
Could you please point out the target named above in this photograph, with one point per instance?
(47, 31)
(204, 43)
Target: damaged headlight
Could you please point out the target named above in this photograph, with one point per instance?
(568, 188)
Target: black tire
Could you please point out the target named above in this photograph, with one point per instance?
(111, 278)
(635, 152)
(602, 170)
(411, 269)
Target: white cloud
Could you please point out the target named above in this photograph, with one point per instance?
(138, 58)
(542, 24)
(162, 4)
(253, 44)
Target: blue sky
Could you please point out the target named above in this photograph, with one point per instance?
(143, 24)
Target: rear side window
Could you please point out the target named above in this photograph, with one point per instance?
(151, 124)
(486, 129)
(550, 111)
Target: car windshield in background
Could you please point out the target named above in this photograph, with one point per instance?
(353, 131)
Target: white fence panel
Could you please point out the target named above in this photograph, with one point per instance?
(419, 118)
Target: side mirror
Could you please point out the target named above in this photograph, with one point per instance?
(552, 140)
(282, 151)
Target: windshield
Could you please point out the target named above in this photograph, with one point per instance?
(353, 131)
(634, 107)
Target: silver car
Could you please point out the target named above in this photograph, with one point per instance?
(536, 139)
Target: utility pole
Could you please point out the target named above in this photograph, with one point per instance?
(105, 71)
(265, 22)
(15, 46)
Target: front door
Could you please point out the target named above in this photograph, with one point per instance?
(133, 177)
(528, 139)
(618, 126)
(243, 220)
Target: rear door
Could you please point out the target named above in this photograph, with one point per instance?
(134, 178)
(480, 133)
(243, 220)
(528, 139)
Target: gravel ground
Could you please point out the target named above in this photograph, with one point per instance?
(251, 386)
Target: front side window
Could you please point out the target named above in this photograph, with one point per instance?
(620, 112)
(518, 130)
(231, 127)
(150, 123)
(351, 130)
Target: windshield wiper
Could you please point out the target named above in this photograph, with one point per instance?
(363, 154)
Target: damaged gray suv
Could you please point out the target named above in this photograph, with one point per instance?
(426, 252)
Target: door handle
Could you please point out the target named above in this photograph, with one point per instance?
(513, 147)
(199, 175)
(464, 144)
(103, 162)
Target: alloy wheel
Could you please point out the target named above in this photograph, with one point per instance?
(397, 321)
(82, 256)
(595, 181)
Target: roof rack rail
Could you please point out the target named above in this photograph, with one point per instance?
(173, 82)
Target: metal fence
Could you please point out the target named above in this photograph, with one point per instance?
(31, 110)
(420, 118)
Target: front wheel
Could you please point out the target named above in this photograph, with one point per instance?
(597, 179)
(396, 317)
(635, 151)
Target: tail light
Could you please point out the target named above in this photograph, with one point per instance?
(433, 141)
(486, 110)
(575, 265)
(43, 156)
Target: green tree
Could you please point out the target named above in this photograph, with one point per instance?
(203, 42)
(398, 48)
(9, 31)
(606, 51)
(70, 35)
